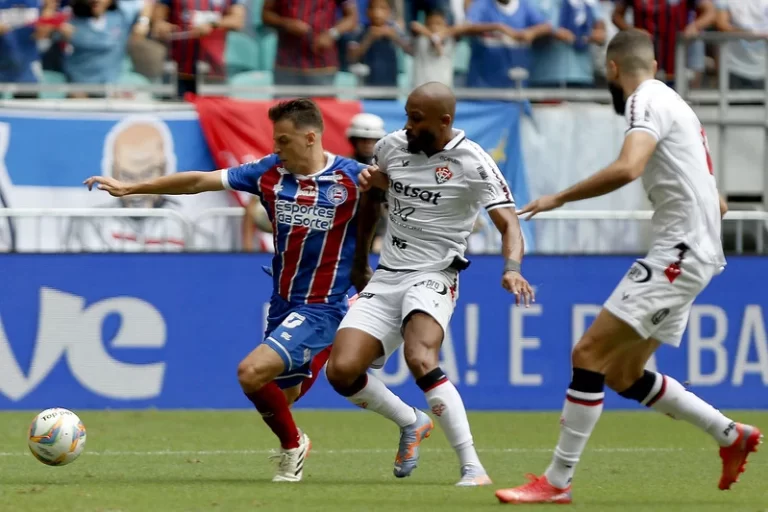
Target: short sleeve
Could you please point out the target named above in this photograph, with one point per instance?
(476, 12)
(245, 178)
(486, 181)
(642, 114)
(533, 16)
(131, 10)
(381, 152)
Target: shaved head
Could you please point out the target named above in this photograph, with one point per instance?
(632, 51)
(431, 109)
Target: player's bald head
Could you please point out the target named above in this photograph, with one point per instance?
(435, 98)
(632, 52)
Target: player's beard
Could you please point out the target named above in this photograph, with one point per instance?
(425, 141)
(617, 95)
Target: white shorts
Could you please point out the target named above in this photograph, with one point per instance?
(656, 295)
(391, 297)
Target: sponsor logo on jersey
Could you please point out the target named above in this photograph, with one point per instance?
(435, 286)
(337, 194)
(308, 216)
(660, 315)
(308, 191)
(397, 209)
(639, 273)
(424, 195)
(443, 174)
(366, 295)
(330, 177)
(449, 159)
(399, 243)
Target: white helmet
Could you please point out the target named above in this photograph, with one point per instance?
(366, 126)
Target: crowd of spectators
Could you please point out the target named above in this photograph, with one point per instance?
(387, 43)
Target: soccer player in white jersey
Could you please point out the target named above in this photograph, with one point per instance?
(666, 145)
(436, 180)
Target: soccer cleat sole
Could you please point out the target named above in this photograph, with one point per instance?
(752, 443)
(503, 496)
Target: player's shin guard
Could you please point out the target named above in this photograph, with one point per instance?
(446, 404)
(271, 403)
(583, 405)
(315, 367)
(668, 396)
(370, 393)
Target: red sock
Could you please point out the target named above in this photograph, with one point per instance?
(316, 366)
(270, 402)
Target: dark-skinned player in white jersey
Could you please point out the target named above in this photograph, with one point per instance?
(436, 180)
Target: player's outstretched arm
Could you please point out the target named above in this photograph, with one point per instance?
(368, 215)
(190, 182)
(635, 153)
(512, 247)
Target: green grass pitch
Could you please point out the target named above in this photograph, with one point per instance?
(218, 461)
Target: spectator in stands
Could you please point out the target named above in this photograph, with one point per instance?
(663, 19)
(376, 45)
(198, 33)
(433, 50)
(20, 31)
(504, 31)
(97, 36)
(308, 32)
(565, 58)
(745, 60)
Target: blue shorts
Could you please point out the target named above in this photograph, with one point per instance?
(298, 333)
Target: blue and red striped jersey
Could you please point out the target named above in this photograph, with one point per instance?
(314, 224)
(296, 52)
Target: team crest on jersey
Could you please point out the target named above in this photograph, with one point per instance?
(337, 194)
(308, 191)
(443, 174)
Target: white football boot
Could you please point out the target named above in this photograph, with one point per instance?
(290, 466)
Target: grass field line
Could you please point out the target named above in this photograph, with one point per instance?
(351, 451)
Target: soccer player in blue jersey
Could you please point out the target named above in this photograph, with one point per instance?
(313, 202)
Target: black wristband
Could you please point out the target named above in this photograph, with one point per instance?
(511, 265)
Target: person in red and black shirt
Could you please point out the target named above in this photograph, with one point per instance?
(197, 30)
(663, 20)
(307, 34)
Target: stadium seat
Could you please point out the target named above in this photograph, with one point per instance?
(127, 65)
(252, 79)
(53, 77)
(267, 49)
(131, 78)
(256, 21)
(242, 53)
(348, 81)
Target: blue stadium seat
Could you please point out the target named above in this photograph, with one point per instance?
(53, 77)
(242, 53)
(253, 79)
(267, 49)
(256, 21)
(461, 57)
(347, 80)
(127, 65)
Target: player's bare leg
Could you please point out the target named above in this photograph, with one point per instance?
(353, 353)
(612, 353)
(423, 338)
(256, 374)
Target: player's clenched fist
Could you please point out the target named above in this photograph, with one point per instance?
(372, 177)
(514, 282)
(111, 185)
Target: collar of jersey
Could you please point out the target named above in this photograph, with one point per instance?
(328, 163)
(455, 140)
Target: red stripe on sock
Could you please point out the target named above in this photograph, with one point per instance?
(588, 403)
(660, 393)
(316, 366)
(438, 383)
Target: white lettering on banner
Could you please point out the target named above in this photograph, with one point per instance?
(67, 329)
(519, 343)
(307, 216)
(752, 328)
(698, 344)
(579, 315)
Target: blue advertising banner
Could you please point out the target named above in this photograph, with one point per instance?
(167, 331)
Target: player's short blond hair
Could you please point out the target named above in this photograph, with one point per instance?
(632, 50)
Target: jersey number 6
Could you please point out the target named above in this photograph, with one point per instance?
(293, 320)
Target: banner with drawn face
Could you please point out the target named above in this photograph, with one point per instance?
(46, 155)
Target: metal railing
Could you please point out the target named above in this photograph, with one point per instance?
(752, 223)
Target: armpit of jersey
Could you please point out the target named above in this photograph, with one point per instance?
(246, 177)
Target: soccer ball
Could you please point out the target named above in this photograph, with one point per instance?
(56, 437)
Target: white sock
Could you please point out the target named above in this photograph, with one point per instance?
(669, 397)
(376, 397)
(583, 405)
(446, 404)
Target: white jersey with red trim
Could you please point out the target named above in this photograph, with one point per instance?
(434, 201)
(679, 178)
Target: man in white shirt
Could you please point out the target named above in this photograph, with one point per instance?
(666, 145)
(436, 181)
(745, 59)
